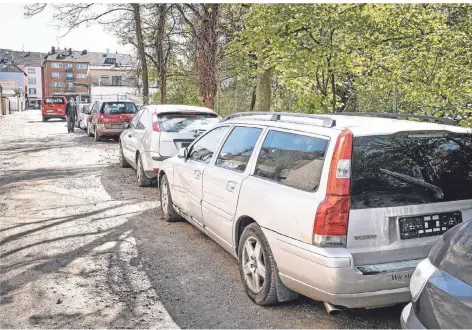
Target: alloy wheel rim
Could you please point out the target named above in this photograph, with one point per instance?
(165, 198)
(254, 264)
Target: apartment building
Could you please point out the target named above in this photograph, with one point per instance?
(75, 72)
(65, 72)
(31, 64)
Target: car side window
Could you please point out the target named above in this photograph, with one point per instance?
(94, 108)
(134, 121)
(238, 148)
(205, 147)
(292, 159)
(143, 121)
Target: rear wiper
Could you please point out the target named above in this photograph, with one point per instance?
(439, 193)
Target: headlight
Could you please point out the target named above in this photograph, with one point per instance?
(422, 273)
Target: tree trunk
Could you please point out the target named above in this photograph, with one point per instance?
(206, 54)
(142, 55)
(253, 99)
(159, 45)
(263, 90)
(333, 90)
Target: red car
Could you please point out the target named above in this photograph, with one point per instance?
(108, 119)
(54, 107)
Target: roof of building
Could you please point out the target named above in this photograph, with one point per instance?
(93, 58)
(22, 58)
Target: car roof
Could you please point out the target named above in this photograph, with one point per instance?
(158, 108)
(358, 125)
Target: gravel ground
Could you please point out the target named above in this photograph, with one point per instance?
(82, 246)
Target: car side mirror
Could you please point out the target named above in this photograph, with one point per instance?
(126, 125)
(183, 153)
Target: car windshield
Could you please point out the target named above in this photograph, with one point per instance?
(411, 168)
(186, 122)
(117, 108)
(54, 100)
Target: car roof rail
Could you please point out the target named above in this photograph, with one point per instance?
(276, 116)
(442, 120)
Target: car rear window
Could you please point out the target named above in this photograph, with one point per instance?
(175, 123)
(292, 159)
(54, 100)
(118, 108)
(411, 168)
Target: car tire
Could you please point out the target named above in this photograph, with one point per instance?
(141, 178)
(89, 133)
(97, 137)
(123, 162)
(257, 266)
(167, 207)
(45, 119)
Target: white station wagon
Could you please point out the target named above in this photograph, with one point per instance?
(340, 208)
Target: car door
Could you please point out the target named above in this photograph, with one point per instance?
(188, 173)
(127, 139)
(222, 181)
(93, 114)
(142, 125)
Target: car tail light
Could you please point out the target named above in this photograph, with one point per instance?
(332, 215)
(155, 123)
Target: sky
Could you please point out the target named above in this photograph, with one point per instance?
(39, 33)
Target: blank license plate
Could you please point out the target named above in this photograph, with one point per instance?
(428, 225)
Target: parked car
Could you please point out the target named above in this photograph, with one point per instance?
(157, 132)
(54, 107)
(82, 115)
(107, 119)
(339, 208)
(441, 286)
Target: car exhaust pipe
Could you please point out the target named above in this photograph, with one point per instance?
(331, 309)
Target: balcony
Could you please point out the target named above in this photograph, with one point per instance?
(69, 69)
(70, 78)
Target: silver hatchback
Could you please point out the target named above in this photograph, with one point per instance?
(339, 208)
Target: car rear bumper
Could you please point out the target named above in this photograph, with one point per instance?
(409, 320)
(329, 274)
(54, 116)
(152, 163)
(110, 131)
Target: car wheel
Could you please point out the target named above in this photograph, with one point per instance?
(97, 137)
(141, 178)
(167, 207)
(257, 266)
(45, 119)
(89, 133)
(123, 162)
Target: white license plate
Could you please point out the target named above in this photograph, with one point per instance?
(50, 111)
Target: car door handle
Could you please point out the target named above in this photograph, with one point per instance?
(231, 185)
(197, 174)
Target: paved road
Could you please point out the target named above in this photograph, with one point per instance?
(82, 246)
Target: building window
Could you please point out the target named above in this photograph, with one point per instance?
(69, 75)
(56, 74)
(57, 84)
(69, 66)
(70, 85)
(56, 65)
(31, 71)
(81, 76)
(81, 66)
(116, 81)
(31, 81)
(32, 91)
(110, 60)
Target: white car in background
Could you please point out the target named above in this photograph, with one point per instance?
(157, 132)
